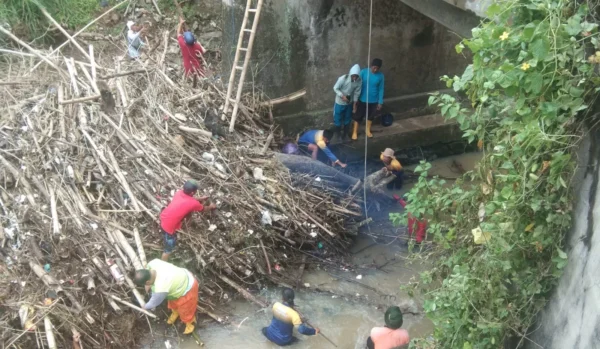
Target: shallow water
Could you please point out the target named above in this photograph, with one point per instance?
(343, 306)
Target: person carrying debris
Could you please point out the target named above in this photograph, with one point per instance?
(177, 285)
(182, 205)
(314, 140)
(134, 41)
(191, 52)
(285, 318)
(391, 336)
(392, 166)
(371, 96)
(347, 91)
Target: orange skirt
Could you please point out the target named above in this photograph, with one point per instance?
(186, 305)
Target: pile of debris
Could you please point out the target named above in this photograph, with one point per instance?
(92, 150)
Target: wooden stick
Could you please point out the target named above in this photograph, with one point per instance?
(287, 98)
(267, 144)
(143, 311)
(64, 32)
(140, 247)
(196, 131)
(266, 256)
(49, 333)
(122, 180)
(81, 100)
(119, 74)
(55, 223)
(131, 285)
(31, 49)
(77, 33)
(243, 292)
(128, 249)
(93, 64)
(317, 223)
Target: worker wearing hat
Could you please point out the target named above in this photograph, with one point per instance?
(391, 336)
(172, 216)
(371, 96)
(191, 52)
(134, 40)
(392, 166)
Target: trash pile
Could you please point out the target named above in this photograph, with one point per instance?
(92, 149)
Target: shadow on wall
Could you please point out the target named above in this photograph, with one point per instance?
(310, 43)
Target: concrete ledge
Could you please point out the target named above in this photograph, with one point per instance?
(451, 17)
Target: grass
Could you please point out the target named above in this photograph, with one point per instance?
(26, 19)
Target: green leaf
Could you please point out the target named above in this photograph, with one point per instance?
(528, 32)
(468, 74)
(493, 10)
(576, 91)
(536, 81)
(561, 253)
(573, 26)
(459, 48)
(540, 48)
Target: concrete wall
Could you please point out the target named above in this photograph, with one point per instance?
(478, 7)
(572, 317)
(310, 43)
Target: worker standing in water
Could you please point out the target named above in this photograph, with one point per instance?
(314, 140)
(347, 91)
(417, 227)
(285, 318)
(175, 284)
(391, 336)
(393, 167)
(182, 205)
(191, 53)
(371, 96)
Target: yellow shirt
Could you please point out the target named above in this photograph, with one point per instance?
(169, 278)
(394, 164)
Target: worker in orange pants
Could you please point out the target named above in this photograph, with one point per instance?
(175, 284)
(414, 225)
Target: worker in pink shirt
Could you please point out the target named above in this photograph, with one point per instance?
(391, 336)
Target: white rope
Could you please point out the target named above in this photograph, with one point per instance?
(367, 115)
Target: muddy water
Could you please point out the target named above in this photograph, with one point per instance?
(345, 304)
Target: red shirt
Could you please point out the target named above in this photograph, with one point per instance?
(181, 205)
(191, 56)
(421, 226)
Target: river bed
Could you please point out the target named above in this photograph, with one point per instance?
(345, 304)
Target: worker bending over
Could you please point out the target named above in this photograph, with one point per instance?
(284, 319)
(182, 205)
(175, 284)
(371, 96)
(347, 91)
(392, 166)
(391, 336)
(314, 140)
(134, 40)
(191, 53)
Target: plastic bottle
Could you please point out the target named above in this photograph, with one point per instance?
(115, 271)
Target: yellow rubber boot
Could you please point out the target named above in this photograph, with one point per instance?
(369, 134)
(189, 328)
(173, 317)
(355, 130)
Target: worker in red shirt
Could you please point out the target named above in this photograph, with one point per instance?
(182, 205)
(191, 52)
(414, 225)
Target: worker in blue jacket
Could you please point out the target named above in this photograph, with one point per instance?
(371, 96)
(314, 140)
(285, 318)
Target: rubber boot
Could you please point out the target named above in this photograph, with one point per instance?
(355, 131)
(173, 318)
(369, 123)
(189, 328)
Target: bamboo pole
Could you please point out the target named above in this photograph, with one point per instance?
(128, 249)
(143, 311)
(64, 32)
(49, 333)
(140, 247)
(31, 49)
(134, 290)
(77, 33)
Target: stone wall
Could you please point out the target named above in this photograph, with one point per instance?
(310, 43)
(572, 317)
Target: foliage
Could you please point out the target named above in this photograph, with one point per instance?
(27, 19)
(529, 88)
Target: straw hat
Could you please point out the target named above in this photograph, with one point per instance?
(388, 152)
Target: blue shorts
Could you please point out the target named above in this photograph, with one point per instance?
(342, 114)
(170, 241)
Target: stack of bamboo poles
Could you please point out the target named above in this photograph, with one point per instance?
(90, 155)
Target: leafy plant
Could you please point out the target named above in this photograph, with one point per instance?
(498, 232)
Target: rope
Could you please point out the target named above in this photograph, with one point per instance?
(367, 115)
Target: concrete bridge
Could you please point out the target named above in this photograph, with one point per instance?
(310, 43)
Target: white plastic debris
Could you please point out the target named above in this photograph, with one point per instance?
(70, 171)
(168, 344)
(94, 226)
(250, 231)
(481, 212)
(318, 179)
(258, 174)
(212, 227)
(313, 234)
(208, 157)
(228, 214)
(359, 277)
(279, 217)
(220, 167)
(266, 218)
(306, 284)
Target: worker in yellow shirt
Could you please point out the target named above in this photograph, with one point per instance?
(393, 167)
(175, 284)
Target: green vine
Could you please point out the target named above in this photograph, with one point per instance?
(497, 233)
